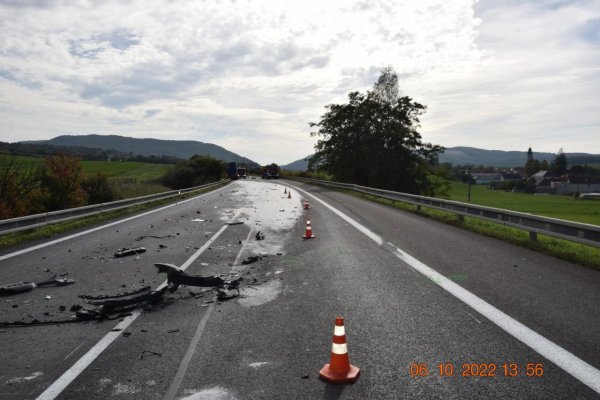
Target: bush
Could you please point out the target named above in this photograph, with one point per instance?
(194, 172)
(98, 188)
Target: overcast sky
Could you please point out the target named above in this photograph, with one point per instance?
(249, 75)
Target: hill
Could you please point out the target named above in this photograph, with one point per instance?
(475, 156)
(298, 165)
(183, 149)
(500, 158)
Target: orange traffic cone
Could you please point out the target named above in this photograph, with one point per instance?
(308, 234)
(306, 206)
(290, 194)
(339, 370)
(285, 191)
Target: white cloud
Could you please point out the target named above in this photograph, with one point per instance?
(250, 74)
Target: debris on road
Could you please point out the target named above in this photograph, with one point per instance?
(138, 238)
(124, 252)
(198, 220)
(226, 294)
(54, 281)
(126, 300)
(235, 223)
(15, 288)
(176, 277)
(152, 353)
(251, 259)
(21, 287)
(259, 236)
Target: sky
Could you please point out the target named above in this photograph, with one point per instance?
(249, 75)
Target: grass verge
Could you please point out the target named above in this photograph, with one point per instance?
(48, 231)
(581, 254)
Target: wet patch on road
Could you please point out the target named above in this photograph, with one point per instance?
(259, 295)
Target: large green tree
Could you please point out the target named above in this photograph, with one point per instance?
(373, 140)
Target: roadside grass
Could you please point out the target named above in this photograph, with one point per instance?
(128, 190)
(581, 254)
(46, 232)
(554, 206)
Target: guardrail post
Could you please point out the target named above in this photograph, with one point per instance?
(418, 207)
(533, 236)
(461, 218)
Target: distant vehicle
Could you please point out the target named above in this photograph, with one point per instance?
(241, 172)
(271, 171)
(232, 171)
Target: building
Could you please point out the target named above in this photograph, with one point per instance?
(486, 178)
(577, 184)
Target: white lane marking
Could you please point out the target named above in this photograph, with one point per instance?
(69, 376)
(575, 366)
(371, 235)
(472, 316)
(74, 350)
(55, 241)
(187, 358)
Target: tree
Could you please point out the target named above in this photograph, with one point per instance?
(532, 166)
(386, 88)
(19, 182)
(62, 182)
(373, 140)
(559, 165)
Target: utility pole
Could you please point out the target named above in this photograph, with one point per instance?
(469, 182)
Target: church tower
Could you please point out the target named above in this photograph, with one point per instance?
(529, 154)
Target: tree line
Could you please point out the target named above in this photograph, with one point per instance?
(82, 152)
(59, 183)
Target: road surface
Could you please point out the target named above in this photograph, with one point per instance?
(414, 294)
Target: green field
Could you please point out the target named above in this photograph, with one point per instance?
(115, 170)
(125, 169)
(562, 207)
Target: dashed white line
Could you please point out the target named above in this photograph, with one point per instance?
(69, 376)
(575, 366)
(74, 350)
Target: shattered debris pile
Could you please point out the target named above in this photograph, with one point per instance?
(226, 289)
(108, 307)
(118, 304)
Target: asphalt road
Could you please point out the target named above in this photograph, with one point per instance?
(488, 303)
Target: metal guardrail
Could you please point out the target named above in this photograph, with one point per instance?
(35, 221)
(574, 231)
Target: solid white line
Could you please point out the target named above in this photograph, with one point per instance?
(575, 366)
(371, 235)
(69, 376)
(55, 241)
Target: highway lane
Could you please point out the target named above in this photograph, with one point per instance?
(271, 342)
